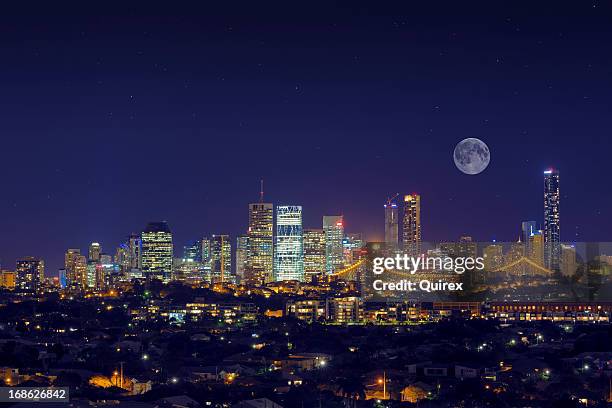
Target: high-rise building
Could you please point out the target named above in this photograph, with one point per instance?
(70, 258)
(260, 253)
(314, 253)
(30, 273)
(350, 243)
(535, 246)
(527, 228)
(391, 224)
(106, 273)
(242, 247)
(91, 278)
(94, 251)
(568, 260)
(157, 251)
(80, 271)
(333, 226)
(135, 251)
(205, 249)
(193, 251)
(63, 280)
(122, 259)
(221, 259)
(552, 236)
(412, 224)
(289, 248)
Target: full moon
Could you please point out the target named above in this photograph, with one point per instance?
(471, 156)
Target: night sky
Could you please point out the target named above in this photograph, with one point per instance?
(113, 118)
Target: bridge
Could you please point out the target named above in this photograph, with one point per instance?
(349, 273)
(524, 260)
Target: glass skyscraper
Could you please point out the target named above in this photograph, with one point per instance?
(333, 226)
(314, 253)
(289, 249)
(157, 251)
(552, 236)
(412, 224)
(391, 224)
(242, 246)
(221, 259)
(260, 251)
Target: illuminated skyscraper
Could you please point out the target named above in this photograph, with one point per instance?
(80, 271)
(193, 251)
(350, 243)
(391, 224)
(260, 253)
(527, 228)
(289, 249)
(30, 273)
(94, 251)
(221, 259)
(568, 260)
(535, 246)
(70, 259)
(242, 246)
(135, 251)
(333, 226)
(314, 253)
(91, 275)
(552, 236)
(122, 259)
(205, 243)
(412, 224)
(157, 251)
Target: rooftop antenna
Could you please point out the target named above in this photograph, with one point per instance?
(261, 191)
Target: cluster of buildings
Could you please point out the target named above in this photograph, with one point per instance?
(277, 248)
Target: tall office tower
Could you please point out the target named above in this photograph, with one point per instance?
(350, 243)
(30, 273)
(206, 276)
(94, 251)
(527, 228)
(135, 251)
(314, 253)
(391, 224)
(63, 280)
(552, 237)
(493, 257)
(221, 259)
(80, 271)
(205, 249)
(535, 247)
(107, 272)
(289, 248)
(260, 253)
(157, 251)
(333, 227)
(69, 265)
(568, 260)
(193, 251)
(412, 224)
(242, 246)
(91, 278)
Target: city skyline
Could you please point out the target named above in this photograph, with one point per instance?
(263, 216)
